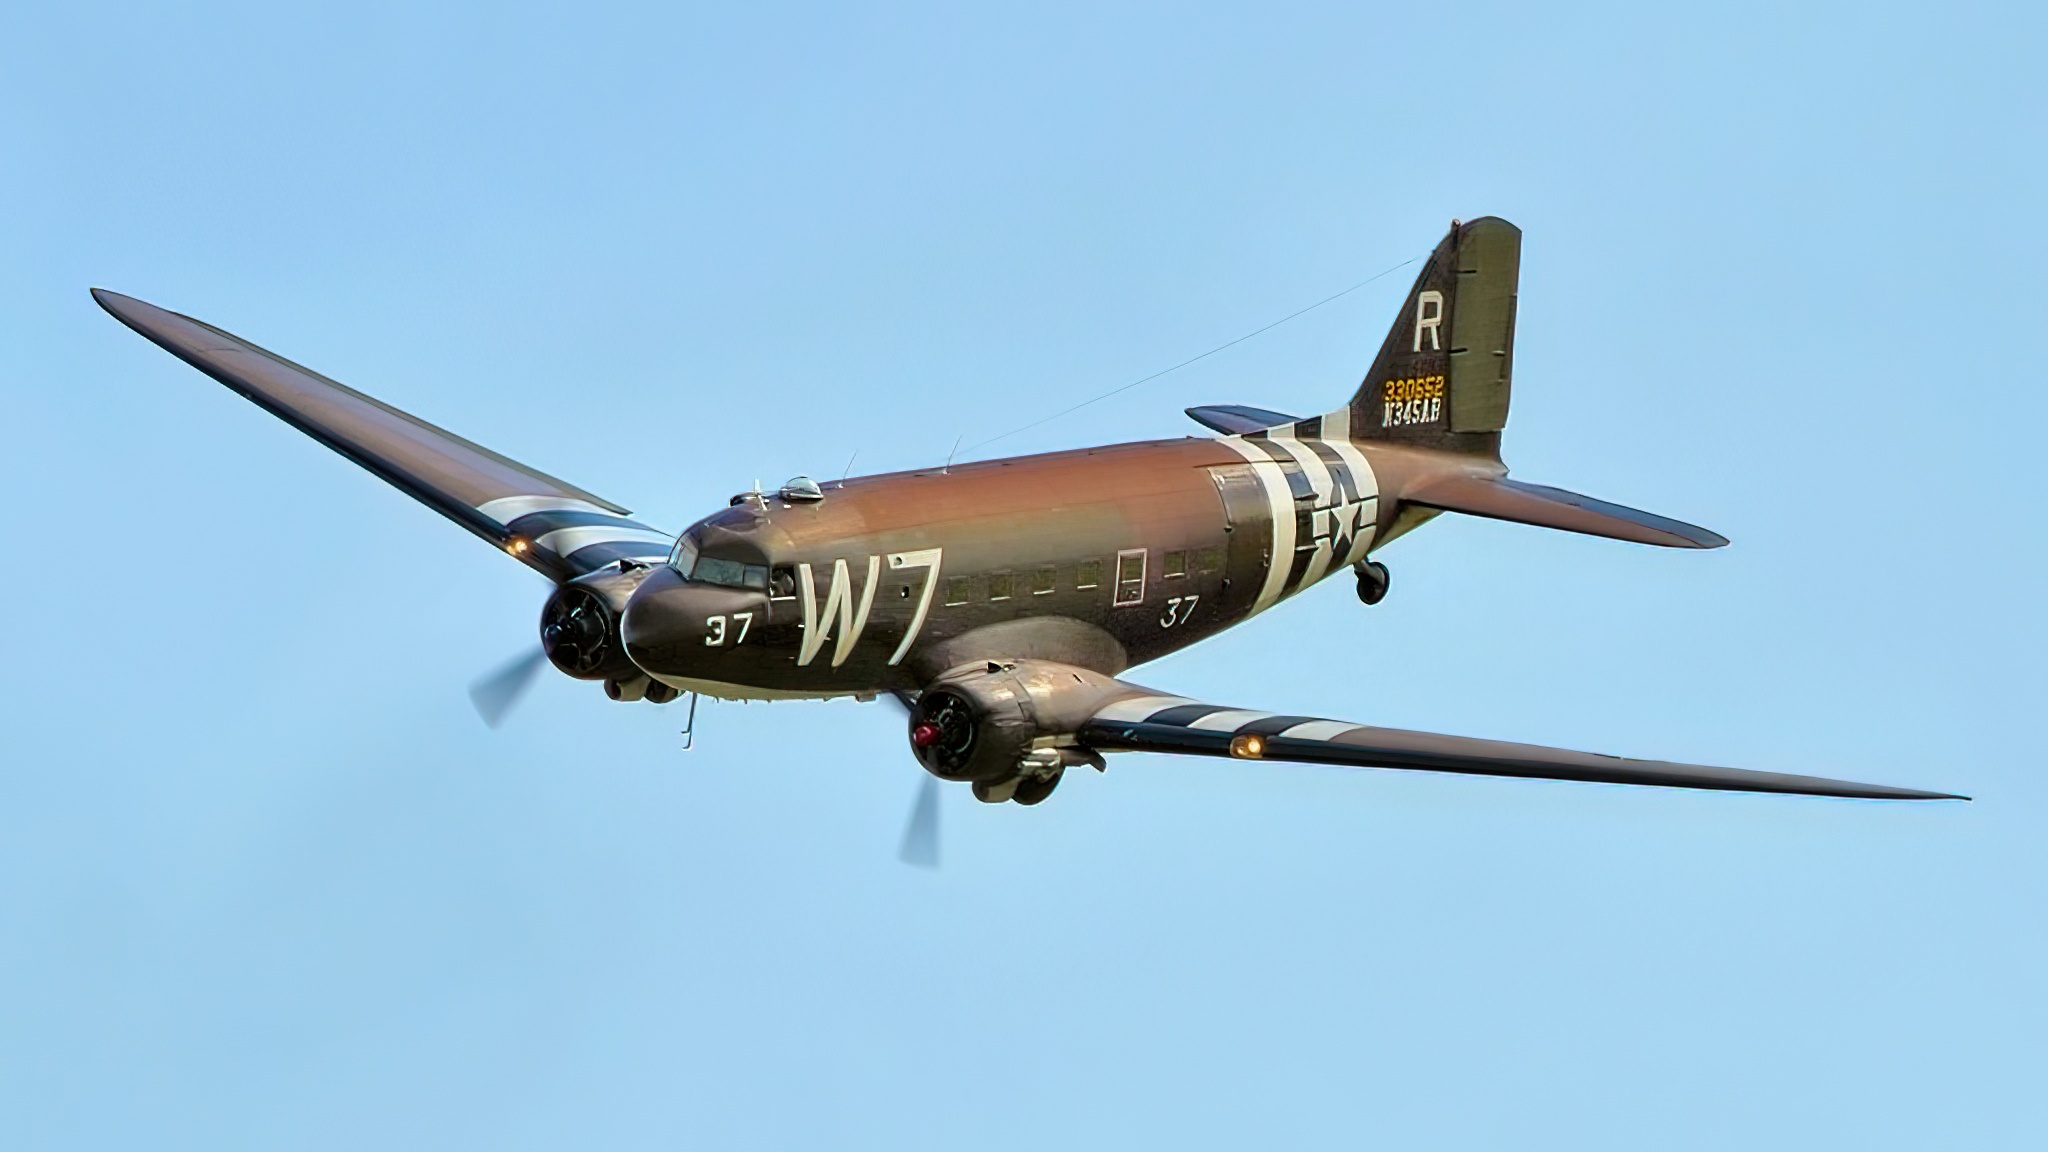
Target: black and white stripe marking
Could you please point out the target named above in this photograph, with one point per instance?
(1180, 712)
(1321, 494)
(585, 536)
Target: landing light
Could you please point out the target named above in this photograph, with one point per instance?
(516, 546)
(1247, 747)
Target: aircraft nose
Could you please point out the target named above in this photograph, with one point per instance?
(657, 619)
(672, 625)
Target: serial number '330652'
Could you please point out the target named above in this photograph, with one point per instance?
(1412, 400)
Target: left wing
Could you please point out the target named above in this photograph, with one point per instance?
(551, 526)
(1153, 723)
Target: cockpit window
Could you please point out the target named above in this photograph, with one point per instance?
(690, 565)
(730, 573)
(684, 556)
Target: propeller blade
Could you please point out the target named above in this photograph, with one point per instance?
(495, 694)
(921, 836)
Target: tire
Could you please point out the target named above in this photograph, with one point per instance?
(1034, 790)
(1373, 580)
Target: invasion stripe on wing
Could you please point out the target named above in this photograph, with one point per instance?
(1138, 708)
(563, 541)
(1180, 712)
(540, 523)
(585, 535)
(506, 509)
(1227, 720)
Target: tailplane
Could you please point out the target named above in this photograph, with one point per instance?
(1441, 382)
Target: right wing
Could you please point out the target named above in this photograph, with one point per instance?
(1146, 722)
(556, 528)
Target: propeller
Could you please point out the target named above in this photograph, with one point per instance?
(921, 836)
(495, 694)
(920, 848)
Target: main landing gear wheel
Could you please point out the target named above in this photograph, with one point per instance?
(1033, 789)
(1372, 581)
(995, 792)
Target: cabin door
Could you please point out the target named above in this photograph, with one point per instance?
(1248, 537)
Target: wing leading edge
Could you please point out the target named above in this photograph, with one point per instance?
(552, 526)
(1153, 723)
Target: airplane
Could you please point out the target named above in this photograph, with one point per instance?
(1002, 601)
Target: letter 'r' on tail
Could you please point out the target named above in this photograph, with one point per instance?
(1441, 379)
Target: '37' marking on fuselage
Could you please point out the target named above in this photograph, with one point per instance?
(715, 629)
(1178, 609)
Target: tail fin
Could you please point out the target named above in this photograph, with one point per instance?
(1441, 379)
(1441, 382)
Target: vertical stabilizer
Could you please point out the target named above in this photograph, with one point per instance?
(1441, 380)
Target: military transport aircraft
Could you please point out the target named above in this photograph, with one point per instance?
(1002, 601)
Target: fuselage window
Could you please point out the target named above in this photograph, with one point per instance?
(1209, 560)
(1130, 576)
(1173, 565)
(1042, 581)
(1088, 574)
(781, 583)
(958, 590)
(999, 586)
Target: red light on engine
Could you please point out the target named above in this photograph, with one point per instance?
(924, 735)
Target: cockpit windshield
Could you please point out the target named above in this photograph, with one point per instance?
(690, 565)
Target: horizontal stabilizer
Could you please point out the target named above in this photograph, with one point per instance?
(1499, 498)
(554, 527)
(1154, 723)
(1237, 419)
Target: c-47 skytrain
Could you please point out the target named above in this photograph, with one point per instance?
(1003, 601)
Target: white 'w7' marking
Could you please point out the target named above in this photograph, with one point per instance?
(841, 617)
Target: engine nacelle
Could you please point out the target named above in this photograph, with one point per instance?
(1005, 725)
(579, 625)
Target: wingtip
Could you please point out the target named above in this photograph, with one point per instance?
(1680, 534)
(1918, 794)
(120, 307)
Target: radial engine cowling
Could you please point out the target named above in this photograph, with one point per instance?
(999, 724)
(579, 625)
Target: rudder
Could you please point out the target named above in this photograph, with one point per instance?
(1441, 380)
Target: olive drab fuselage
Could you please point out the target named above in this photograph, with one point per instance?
(1107, 557)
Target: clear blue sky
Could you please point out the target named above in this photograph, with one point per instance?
(266, 882)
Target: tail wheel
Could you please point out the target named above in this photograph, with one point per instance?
(1373, 579)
